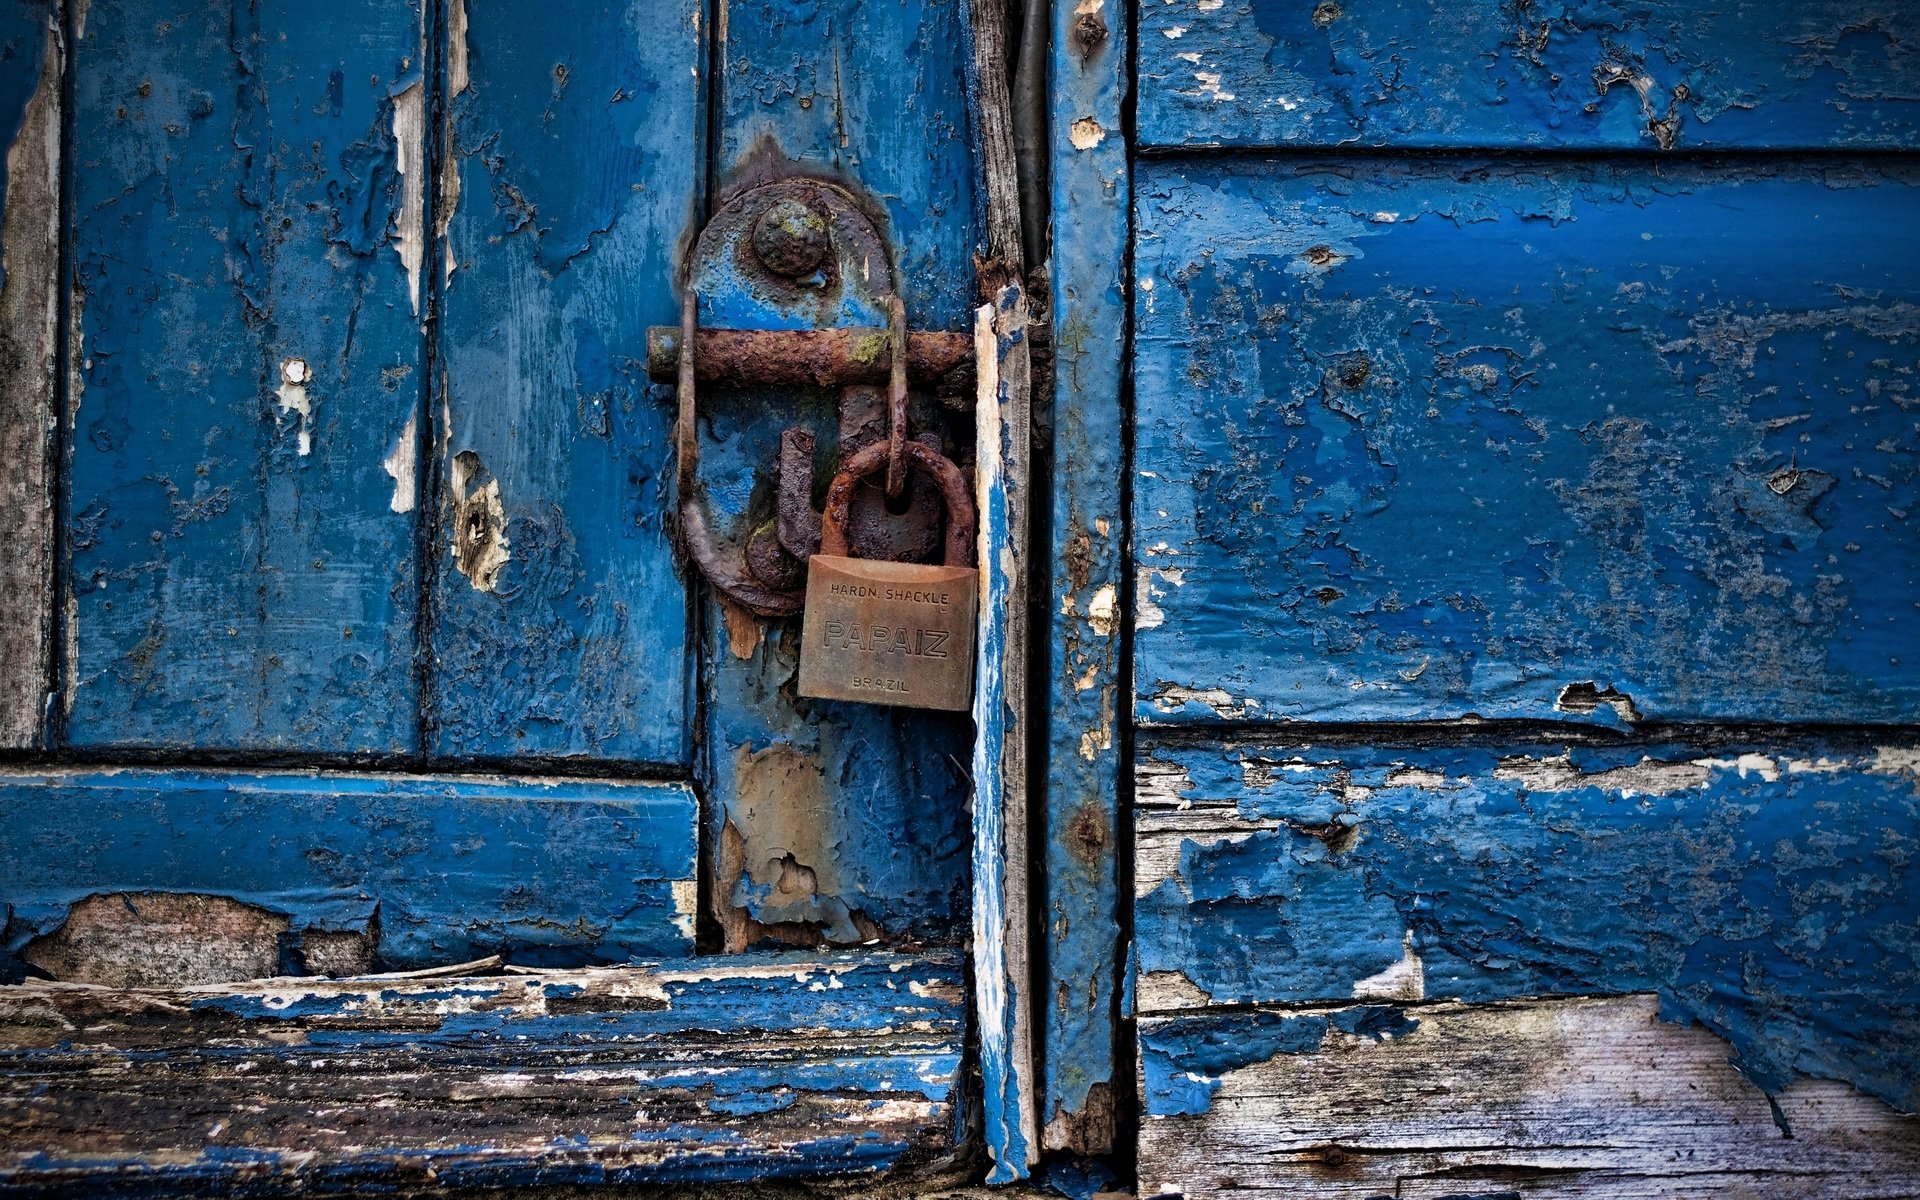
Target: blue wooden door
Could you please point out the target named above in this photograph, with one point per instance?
(349, 631)
(1525, 643)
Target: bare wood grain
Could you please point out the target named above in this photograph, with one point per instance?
(29, 327)
(1590, 1097)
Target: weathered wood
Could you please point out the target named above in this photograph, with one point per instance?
(29, 331)
(248, 362)
(573, 170)
(832, 823)
(1763, 890)
(728, 1069)
(991, 111)
(1684, 460)
(402, 871)
(1084, 575)
(1002, 957)
(1593, 1097)
(1610, 74)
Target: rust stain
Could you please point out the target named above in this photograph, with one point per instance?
(744, 630)
(778, 846)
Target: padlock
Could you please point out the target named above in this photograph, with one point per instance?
(890, 632)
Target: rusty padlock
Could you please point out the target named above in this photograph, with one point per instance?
(890, 632)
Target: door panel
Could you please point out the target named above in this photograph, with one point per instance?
(833, 823)
(344, 873)
(1612, 74)
(1683, 461)
(249, 363)
(1443, 460)
(559, 624)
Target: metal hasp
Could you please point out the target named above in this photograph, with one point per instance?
(802, 254)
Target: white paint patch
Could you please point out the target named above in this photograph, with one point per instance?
(686, 903)
(1086, 133)
(1210, 5)
(1102, 610)
(399, 463)
(1172, 697)
(1209, 82)
(1896, 760)
(1415, 777)
(1174, 31)
(457, 76)
(447, 202)
(1647, 777)
(1189, 56)
(410, 160)
(1404, 980)
(1146, 614)
(1814, 766)
(1755, 764)
(294, 377)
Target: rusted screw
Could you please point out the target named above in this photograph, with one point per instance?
(790, 239)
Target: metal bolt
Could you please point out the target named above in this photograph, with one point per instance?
(790, 239)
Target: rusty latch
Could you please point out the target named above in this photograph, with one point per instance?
(803, 357)
(795, 250)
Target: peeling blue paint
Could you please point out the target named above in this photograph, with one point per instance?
(578, 170)
(1182, 1060)
(1595, 73)
(238, 577)
(434, 870)
(1448, 437)
(1080, 891)
(1765, 891)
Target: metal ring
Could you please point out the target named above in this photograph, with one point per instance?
(953, 490)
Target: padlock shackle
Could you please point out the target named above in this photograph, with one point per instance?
(953, 490)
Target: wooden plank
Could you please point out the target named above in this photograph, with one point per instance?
(249, 364)
(30, 95)
(1752, 74)
(729, 1069)
(411, 871)
(832, 823)
(575, 164)
(1594, 1097)
(1087, 155)
(1422, 439)
(1763, 889)
(1002, 956)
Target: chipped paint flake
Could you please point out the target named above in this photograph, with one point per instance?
(1404, 980)
(479, 538)
(1086, 133)
(399, 464)
(410, 161)
(1103, 609)
(295, 375)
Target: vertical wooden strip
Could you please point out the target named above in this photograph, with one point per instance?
(559, 626)
(1088, 159)
(1001, 966)
(29, 326)
(248, 188)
